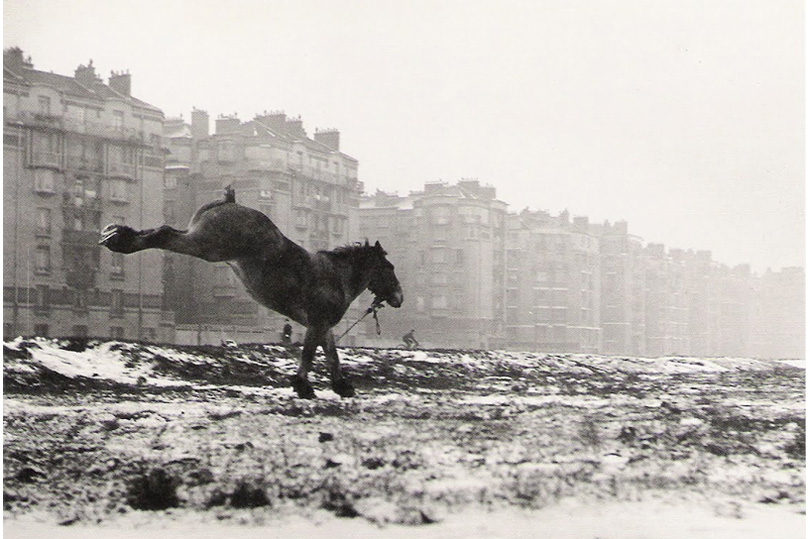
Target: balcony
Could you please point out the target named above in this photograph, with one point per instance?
(84, 163)
(87, 203)
(103, 130)
(266, 164)
(37, 119)
(80, 237)
(41, 158)
(121, 170)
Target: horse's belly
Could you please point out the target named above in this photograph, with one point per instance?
(273, 290)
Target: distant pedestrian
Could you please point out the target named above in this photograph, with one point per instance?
(410, 340)
(286, 333)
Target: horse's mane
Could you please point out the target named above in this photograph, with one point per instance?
(351, 250)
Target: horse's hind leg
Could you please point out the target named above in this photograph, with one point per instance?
(340, 384)
(123, 239)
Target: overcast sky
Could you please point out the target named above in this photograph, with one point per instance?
(684, 118)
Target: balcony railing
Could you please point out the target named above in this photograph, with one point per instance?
(80, 237)
(36, 119)
(266, 164)
(83, 163)
(124, 170)
(41, 158)
(69, 200)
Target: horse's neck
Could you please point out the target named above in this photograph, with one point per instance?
(354, 277)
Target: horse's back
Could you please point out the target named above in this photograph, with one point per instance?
(225, 226)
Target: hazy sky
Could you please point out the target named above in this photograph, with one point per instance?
(685, 118)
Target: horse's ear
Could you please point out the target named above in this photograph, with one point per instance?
(378, 246)
(366, 242)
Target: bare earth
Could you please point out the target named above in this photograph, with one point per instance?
(133, 440)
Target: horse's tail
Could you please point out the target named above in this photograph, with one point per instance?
(230, 194)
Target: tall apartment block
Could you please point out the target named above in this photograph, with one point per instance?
(78, 154)
(779, 314)
(552, 283)
(448, 245)
(623, 293)
(305, 185)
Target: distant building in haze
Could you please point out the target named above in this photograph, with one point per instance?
(447, 244)
(552, 283)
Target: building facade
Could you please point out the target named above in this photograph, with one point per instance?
(305, 185)
(79, 154)
(447, 243)
(553, 285)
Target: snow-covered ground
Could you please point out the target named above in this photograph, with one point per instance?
(137, 438)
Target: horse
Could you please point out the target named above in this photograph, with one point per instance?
(313, 289)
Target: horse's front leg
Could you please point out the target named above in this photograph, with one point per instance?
(340, 384)
(299, 381)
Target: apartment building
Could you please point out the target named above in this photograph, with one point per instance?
(553, 283)
(448, 245)
(623, 292)
(79, 154)
(778, 330)
(305, 185)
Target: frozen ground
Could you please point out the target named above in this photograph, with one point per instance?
(139, 440)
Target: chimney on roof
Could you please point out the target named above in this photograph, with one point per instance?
(328, 137)
(199, 124)
(432, 187)
(86, 74)
(13, 60)
(581, 223)
(274, 120)
(121, 82)
(295, 127)
(227, 125)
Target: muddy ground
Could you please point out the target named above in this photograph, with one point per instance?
(99, 433)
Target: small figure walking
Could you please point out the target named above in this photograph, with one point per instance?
(286, 333)
(410, 340)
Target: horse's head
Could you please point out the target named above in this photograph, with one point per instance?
(383, 282)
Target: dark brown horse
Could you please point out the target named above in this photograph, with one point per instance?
(314, 289)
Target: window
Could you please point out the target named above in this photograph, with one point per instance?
(41, 330)
(80, 331)
(169, 213)
(118, 190)
(459, 257)
(116, 332)
(170, 181)
(118, 120)
(440, 302)
(117, 265)
(301, 219)
(43, 222)
(42, 259)
(44, 180)
(79, 299)
(438, 255)
(44, 105)
(41, 299)
(117, 303)
(149, 334)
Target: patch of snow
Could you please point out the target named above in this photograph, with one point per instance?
(798, 363)
(617, 520)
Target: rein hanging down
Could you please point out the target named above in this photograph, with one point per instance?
(376, 305)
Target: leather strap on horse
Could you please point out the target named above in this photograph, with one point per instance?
(376, 305)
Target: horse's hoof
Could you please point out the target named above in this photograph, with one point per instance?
(117, 238)
(302, 387)
(343, 388)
